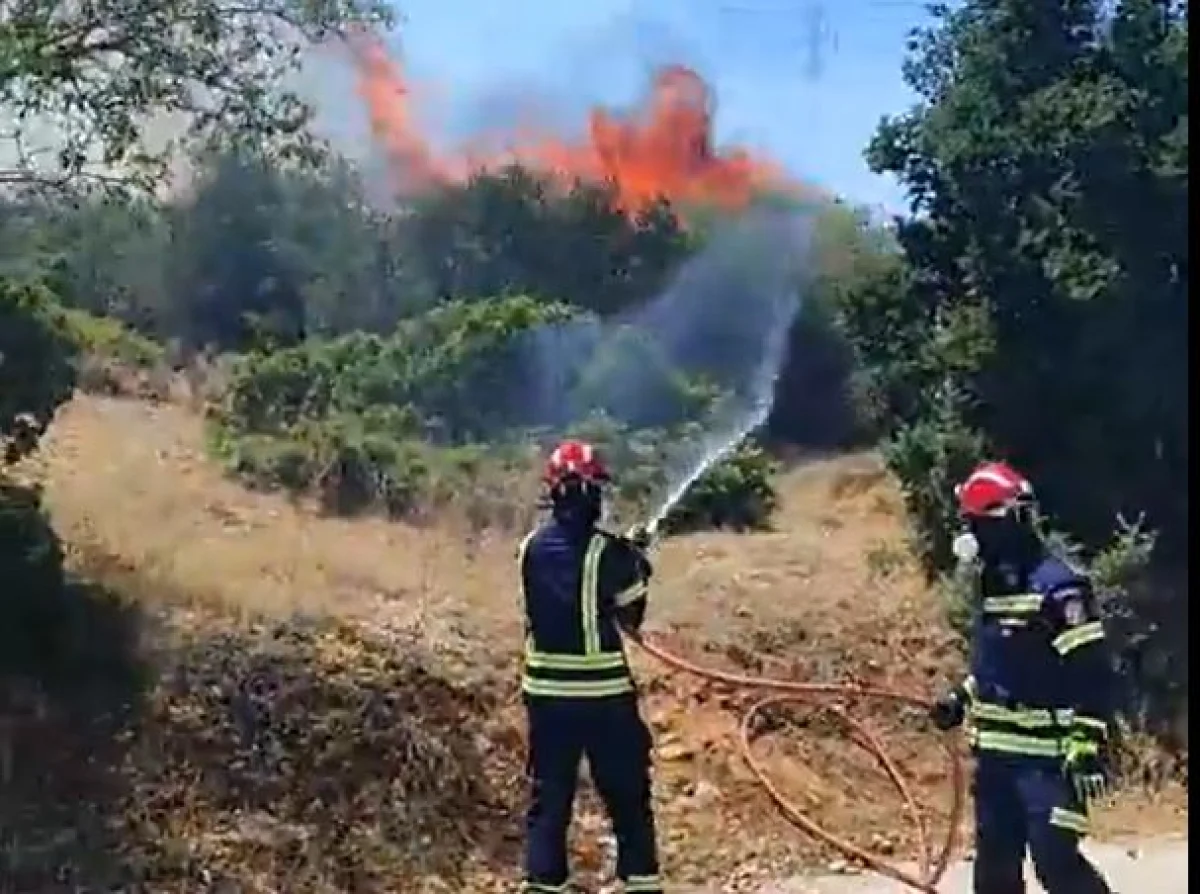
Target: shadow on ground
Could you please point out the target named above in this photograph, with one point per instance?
(303, 756)
(70, 680)
(317, 757)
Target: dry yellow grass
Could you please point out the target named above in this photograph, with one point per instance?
(830, 593)
(129, 481)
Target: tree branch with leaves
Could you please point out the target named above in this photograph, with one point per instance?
(83, 83)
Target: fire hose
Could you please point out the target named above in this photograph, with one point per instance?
(931, 868)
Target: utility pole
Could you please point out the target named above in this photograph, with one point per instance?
(818, 30)
(806, 20)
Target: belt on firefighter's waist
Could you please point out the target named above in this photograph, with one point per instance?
(574, 675)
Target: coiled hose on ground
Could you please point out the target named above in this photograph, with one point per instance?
(931, 868)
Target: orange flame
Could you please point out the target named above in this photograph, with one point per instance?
(663, 150)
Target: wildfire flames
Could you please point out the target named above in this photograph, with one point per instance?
(662, 149)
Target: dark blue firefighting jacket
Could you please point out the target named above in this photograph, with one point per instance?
(577, 584)
(1039, 671)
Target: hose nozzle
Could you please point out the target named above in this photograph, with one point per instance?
(642, 535)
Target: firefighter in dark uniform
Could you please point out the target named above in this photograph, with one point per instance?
(1037, 699)
(581, 584)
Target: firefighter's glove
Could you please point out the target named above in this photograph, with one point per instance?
(1084, 766)
(950, 710)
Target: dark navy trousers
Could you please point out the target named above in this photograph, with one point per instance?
(611, 734)
(1021, 803)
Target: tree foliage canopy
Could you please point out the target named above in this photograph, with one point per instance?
(1043, 298)
(84, 85)
(1039, 311)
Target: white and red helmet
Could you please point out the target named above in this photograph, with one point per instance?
(574, 461)
(993, 490)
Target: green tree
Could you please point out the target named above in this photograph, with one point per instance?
(104, 254)
(1041, 309)
(234, 282)
(254, 247)
(511, 232)
(814, 395)
(82, 85)
(89, 83)
(1043, 163)
(263, 249)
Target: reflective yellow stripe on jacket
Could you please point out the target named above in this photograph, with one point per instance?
(1070, 640)
(1028, 732)
(1020, 730)
(592, 673)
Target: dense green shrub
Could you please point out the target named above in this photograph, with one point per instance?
(461, 364)
(54, 635)
(399, 423)
(36, 364)
(36, 375)
(108, 338)
(736, 493)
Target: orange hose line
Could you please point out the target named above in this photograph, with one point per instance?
(930, 869)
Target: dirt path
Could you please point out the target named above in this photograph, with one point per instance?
(1153, 866)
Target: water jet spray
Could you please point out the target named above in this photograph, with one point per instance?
(785, 236)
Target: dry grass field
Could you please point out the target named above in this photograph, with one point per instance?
(329, 705)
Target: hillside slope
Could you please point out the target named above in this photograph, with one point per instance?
(830, 594)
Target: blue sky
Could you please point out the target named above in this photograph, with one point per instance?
(805, 80)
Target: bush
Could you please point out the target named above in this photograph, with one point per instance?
(114, 359)
(460, 364)
(350, 463)
(453, 399)
(36, 372)
(629, 361)
(109, 338)
(1141, 616)
(929, 456)
(735, 493)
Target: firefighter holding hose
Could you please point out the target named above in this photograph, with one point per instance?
(580, 584)
(1037, 698)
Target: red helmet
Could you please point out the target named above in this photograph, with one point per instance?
(574, 460)
(993, 489)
